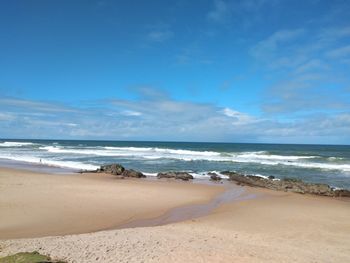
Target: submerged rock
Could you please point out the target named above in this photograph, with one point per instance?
(175, 175)
(286, 184)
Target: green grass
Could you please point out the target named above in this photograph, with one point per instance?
(28, 257)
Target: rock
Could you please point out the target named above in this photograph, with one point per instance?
(176, 175)
(271, 177)
(214, 177)
(341, 193)
(119, 171)
(114, 168)
(319, 189)
(294, 185)
(133, 173)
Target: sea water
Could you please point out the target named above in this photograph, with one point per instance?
(328, 164)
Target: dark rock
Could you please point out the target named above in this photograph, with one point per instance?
(341, 193)
(287, 184)
(214, 177)
(114, 168)
(175, 175)
(133, 173)
(228, 173)
(271, 177)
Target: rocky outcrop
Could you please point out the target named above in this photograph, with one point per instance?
(114, 168)
(175, 175)
(119, 171)
(214, 177)
(341, 193)
(288, 184)
(133, 173)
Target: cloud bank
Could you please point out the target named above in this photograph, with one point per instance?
(156, 116)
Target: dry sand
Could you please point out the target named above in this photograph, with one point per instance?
(35, 204)
(276, 227)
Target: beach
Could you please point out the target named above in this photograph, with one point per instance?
(75, 217)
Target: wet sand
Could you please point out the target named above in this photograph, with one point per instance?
(271, 227)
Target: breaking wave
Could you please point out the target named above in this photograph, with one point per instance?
(15, 144)
(153, 153)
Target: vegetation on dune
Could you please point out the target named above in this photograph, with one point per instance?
(28, 257)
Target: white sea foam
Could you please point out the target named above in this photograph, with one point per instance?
(335, 158)
(197, 175)
(48, 162)
(154, 153)
(325, 166)
(150, 174)
(15, 144)
(186, 155)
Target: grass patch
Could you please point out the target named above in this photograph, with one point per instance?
(28, 257)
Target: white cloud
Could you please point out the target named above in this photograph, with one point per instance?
(306, 77)
(41, 106)
(269, 46)
(240, 118)
(311, 65)
(220, 13)
(160, 35)
(159, 117)
(342, 52)
(5, 116)
(131, 113)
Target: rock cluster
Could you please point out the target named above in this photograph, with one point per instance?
(120, 171)
(214, 177)
(175, 175)
(290, 185)
(133, 173)
(114, 168)
(287, 184)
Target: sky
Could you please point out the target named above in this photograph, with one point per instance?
(259, 71)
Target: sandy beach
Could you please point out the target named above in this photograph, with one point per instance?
(59, 215)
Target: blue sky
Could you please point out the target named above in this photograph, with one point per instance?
(233, 71)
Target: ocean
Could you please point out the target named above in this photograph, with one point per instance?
(328, 164)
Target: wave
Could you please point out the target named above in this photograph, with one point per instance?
(259, 157)
(15, 144)
(164, 150)
(186, 155)
(148, 153)
(335, 158)
(154, 153)
(48, 162)
(323, 166)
